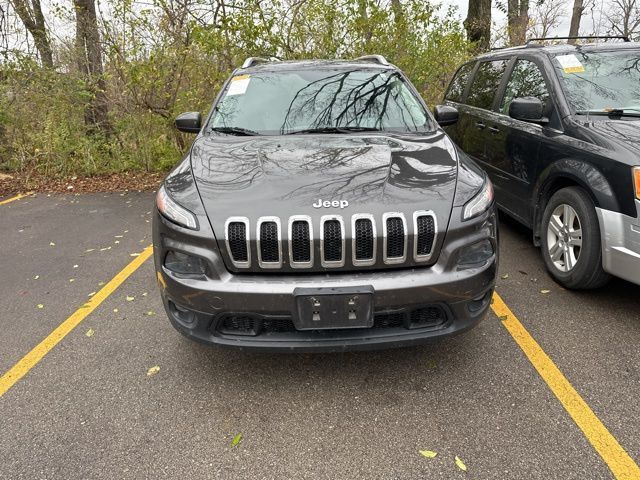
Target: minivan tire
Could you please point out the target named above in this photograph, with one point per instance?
(587, 273)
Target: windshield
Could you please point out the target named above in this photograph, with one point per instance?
(601, 81)
(275, 103)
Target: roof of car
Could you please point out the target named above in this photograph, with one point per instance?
(275, 66)
(551, 50)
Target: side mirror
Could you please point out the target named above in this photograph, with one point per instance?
(445, 115)
(189, 122)
(527, 109)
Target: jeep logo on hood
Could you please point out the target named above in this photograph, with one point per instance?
(330, 203)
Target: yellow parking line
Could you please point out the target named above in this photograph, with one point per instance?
(13, 199)
(620, 463)
(32, 358)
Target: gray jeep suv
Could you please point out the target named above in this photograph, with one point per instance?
(322, 208)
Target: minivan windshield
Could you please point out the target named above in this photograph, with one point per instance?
(318, 101)
(601, 81)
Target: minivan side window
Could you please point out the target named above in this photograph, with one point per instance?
(526, 81)
(459, 83)
(485, 84)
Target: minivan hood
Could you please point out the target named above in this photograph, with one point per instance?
(284, 176)
(613, 134)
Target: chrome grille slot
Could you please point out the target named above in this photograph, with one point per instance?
(364, 239)
(424, 225)
(332, 241)
(395, 238)
(300, 241)
(237, 239)
(269, 247)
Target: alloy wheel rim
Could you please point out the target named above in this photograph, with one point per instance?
(564, 237)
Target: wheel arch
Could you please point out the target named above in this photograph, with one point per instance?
(570, 173)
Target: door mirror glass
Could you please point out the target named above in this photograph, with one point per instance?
(445, 115)
(527, 109)
(189, 122)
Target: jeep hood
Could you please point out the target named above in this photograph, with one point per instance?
(283, 176)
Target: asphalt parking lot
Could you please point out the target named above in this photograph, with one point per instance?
(82, 404)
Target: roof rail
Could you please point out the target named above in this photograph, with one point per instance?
(581, 37)
(372, 58)
(251, 61)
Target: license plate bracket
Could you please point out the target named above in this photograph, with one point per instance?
(333, 307)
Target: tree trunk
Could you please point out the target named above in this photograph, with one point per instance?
(574, 29)
(31, 16)
(89, 54)
(478, 23)
(517, 20)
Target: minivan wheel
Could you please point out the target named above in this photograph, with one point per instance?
(571, 246)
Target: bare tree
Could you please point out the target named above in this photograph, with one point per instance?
(546, 15)
(517, 20)
(624, 17)
(30, 12)
(89, 55)
(576, 16)
(478, 23)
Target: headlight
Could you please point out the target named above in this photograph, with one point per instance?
(636, 181)
(175, 212)
(480, 202)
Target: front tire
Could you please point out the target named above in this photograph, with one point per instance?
(571, 246)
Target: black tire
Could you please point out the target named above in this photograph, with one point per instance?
(587, 271)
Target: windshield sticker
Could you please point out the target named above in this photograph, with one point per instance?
(570, 63)
(238, 85)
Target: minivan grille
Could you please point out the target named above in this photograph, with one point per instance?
(296, 249)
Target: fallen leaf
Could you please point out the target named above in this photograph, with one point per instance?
(144, 294)
(503, 317)
(71, 280)
(545, 291)
(428, 453)
(150, 313)
(92, 294)
(100, 284)
(89, 250)
(75, 266)
(40, 305)
(36, 277)
(236, 440)
(505, 276)
(118, 236)
(523, 272)
(90, 332)
(115, 310)
(51, 244)
(134, 254)
(130, 299)
(116, 242)
(153, 370)
(461, 464)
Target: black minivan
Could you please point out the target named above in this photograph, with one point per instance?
(557, 127)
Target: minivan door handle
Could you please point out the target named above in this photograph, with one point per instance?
(480, 125)
(494, 129)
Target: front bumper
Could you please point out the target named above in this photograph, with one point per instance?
(198, 307)
(620, 243)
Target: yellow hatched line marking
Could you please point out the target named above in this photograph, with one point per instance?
(13, 199)
(620, 463)
(32, 358)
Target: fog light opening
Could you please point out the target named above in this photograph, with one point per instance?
(475, 255)
(479, 303)
(184, 264)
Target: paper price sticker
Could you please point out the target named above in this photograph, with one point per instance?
(238, 85)
(570, 63)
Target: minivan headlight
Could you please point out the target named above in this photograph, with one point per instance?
(174, 212)
(480, 202)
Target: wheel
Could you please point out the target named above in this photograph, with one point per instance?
(571, 246)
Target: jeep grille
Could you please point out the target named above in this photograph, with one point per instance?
(297, 245)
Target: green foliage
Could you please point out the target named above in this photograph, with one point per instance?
(163, 59)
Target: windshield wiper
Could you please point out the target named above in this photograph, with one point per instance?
(612, 112)
(234, 131)
(335, 130)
